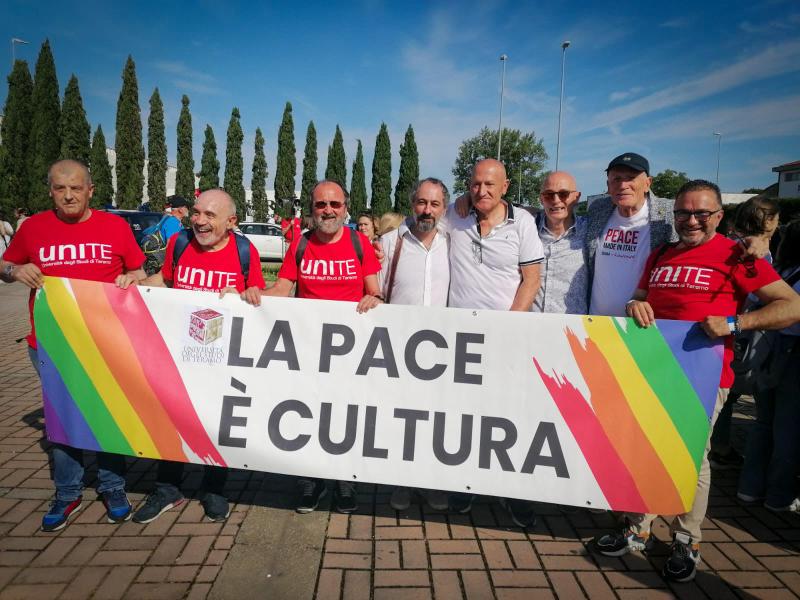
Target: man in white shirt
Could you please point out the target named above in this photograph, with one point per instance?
(416, 271)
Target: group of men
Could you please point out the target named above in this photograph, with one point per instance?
(480, 252)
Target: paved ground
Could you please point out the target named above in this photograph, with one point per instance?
(265, 550)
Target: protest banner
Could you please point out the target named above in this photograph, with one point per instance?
(588, 411)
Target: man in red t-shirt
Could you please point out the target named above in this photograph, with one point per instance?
(329, 269)
(74, 241)
(704, 277)
(210, 262)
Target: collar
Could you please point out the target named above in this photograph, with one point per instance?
(509, 211)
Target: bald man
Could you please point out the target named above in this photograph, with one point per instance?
(495, 258)
(564, 275)
(210, 260)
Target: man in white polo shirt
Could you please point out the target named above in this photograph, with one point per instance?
(495, 253)
(416, 271)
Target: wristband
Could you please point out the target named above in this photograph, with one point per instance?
(628, 303)
(733, 325)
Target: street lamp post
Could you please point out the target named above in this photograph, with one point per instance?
(564, 46)
(503, 59)
(13, 52)
(719, 147)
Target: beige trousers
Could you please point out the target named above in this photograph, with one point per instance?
(690, 522)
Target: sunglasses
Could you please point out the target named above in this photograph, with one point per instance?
(550, 195)
(334, 204)
(477, 252)
(701, 215)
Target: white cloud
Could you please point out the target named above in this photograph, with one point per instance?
(188, 79)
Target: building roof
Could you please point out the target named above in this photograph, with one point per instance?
(792, 166)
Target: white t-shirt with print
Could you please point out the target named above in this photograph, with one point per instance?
(622, 252)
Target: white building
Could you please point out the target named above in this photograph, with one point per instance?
(788, 179)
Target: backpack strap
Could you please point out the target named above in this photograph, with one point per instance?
(301, 248)
(182, 241)
(793, 278)
(661, 250)
(356, 241)
(393, 267)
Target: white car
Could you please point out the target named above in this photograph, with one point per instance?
(267, 239)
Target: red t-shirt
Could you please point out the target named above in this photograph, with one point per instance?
(690, 284)
(205, 271)
(292, 229)
(97, 249)
(331, 271)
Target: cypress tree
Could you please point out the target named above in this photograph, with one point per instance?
(209, 165)
(286, 164)
(101, 171)
(409, 173)
(337, 162)
(258, 184)
(309, 165)
(358, 185)
(156, 153)
(234, 166)
(184, 178)
(15, 135)
(74, 129)
(382, 173)
(45, 144)
(128, 145)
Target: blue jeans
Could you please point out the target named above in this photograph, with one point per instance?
(772, 459)
(68, 464)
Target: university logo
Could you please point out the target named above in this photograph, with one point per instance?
(205, 325)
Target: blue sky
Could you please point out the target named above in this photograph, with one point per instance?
(655, 78)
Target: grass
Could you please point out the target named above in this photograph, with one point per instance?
(270, 271)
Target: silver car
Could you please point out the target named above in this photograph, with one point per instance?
(267, 239)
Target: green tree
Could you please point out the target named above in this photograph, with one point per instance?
(358, 185)
(286, 163)
(523, 156)
(45, 144)
(309, 165)
(234, 165)
(15, 136)
(209, 164)
(409, 173)
(753, 191)
(184, 178)
(337, 161)
(101, 171)
(74, 129)
(382, 173)
(128, 144)
(156, 153)
(667, 183)
(259, 182)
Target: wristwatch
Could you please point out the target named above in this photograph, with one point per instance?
(9, 270)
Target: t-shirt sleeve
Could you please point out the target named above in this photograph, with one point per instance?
(754, 278)
(370, 264)
(255, 277)
(531, 250)
(644, 280)
(288, 268)
(166, 268)
(17, 251)
(170, 227)
(132, 255)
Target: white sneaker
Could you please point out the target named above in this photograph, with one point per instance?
(401, 498)
(793, 507)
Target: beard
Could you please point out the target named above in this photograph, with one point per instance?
(329, 225)
(424, 225)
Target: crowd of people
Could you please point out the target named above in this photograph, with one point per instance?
(633, 255)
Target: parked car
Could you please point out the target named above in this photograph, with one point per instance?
(267, 239)
(139, 220)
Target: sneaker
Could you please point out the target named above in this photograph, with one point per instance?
(793, 507)
(683, 559)
(437, 499)
(460, 503)
(118, 508)
(312, 491)
(623, 541)
(401, 498)
(216, 507)
(748, 499)
(521, 511)
(59, 513)
(723, 462)
(156, 503)
(344, 497)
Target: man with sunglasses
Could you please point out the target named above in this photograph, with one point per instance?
(621, 231)
(704, 277)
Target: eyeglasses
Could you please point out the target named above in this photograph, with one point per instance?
(701, 215)
(334, 204)
(550, 194)
(477, 251)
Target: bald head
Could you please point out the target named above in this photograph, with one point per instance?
(491, 163)
(224, 204)
(488, 185)
(68, 166)
(559, 180)
(559, 196)
(213, 216)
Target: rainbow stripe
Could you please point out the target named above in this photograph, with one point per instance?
(118, 389)
(645, 425)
